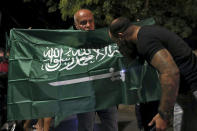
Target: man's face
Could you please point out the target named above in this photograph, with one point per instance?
(116, 40)
(85, 21)
(126, 48)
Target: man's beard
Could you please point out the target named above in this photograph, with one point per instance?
(128, 49)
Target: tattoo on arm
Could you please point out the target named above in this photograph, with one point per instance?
(169, 79)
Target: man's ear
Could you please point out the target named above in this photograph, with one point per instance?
(76, 27)
(120, 35)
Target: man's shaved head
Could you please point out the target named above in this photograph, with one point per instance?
(81, 13)
(84, 19)
(119, 25)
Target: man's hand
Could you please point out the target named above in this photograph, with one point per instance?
(160, 123)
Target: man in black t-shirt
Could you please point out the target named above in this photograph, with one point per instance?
(175, 62)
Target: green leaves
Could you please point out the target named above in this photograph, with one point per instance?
(177, 15)
(53, 6)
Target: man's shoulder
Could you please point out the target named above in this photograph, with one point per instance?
(152, 30)
(146, 30)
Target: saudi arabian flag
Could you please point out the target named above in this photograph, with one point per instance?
(64, 72)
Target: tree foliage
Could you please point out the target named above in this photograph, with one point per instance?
(179, 16)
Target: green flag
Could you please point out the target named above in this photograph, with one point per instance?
(64, 72)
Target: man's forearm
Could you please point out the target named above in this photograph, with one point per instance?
(169, 79)
(170, 86)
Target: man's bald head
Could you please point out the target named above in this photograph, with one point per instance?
(84, 20)
(81, 13)
(119, 25)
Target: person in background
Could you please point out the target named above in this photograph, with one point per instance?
(3, 90)
(175, 63)
(84, 20)
(3, 86)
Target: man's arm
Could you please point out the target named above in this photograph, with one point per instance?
(169, 79)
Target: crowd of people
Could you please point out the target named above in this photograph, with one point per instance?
(174, 60)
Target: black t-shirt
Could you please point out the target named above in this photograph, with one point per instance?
(154, 38)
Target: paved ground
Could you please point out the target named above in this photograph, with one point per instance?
(126, 118)
(126, 121)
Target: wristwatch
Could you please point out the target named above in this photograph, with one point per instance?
(164, 115)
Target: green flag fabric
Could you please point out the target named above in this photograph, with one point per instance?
(64, 72)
